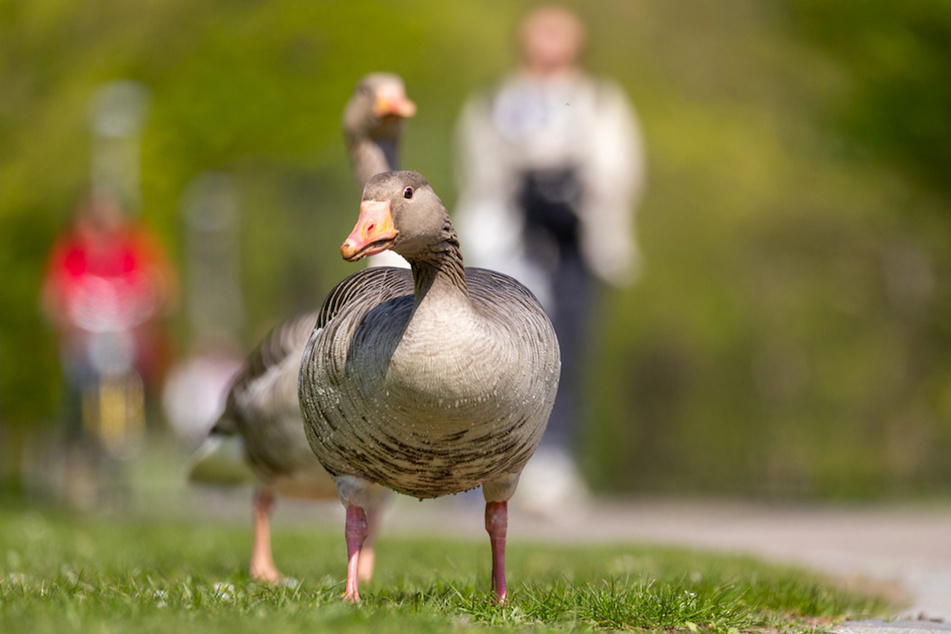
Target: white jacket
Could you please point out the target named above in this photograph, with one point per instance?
(530, 124)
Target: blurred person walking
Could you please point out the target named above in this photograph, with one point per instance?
(551, 168)
(106, 287)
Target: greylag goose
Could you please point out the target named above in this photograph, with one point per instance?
(428, 382)
(260, 435)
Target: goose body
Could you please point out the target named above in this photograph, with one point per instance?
(260, 435)
(262, 414)
(431, 401)
(428, 382)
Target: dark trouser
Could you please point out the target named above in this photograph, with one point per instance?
(573, 292)
(550, 200)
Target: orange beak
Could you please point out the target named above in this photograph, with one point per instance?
(373, 233)
(394, 104)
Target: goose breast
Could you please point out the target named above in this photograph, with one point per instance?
(439, 403)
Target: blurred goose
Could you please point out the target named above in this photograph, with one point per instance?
(428, 382)
(260, 436)
(373, 122)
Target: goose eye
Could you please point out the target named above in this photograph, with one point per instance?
(408, 192)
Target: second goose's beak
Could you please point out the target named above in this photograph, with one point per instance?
(393, 104)
(373, 233)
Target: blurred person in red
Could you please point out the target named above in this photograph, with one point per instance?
(106, 287)
(551, 168)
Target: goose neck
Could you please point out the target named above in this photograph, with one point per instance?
(442, 274)
(371, 156)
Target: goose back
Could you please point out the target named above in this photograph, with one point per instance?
(262, 408)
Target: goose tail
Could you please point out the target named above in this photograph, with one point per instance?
(221, 459)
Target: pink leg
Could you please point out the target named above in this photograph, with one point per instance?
(367, 554)
(356, 533)
(496, 523)
(262, 564)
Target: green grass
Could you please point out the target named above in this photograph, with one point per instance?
(62, 573)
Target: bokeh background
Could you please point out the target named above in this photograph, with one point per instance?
(790, 336)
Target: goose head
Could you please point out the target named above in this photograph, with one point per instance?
(378, 107)
(400, 211)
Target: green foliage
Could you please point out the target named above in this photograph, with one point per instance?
(897, 58)
(62, 574)
(788, 336)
